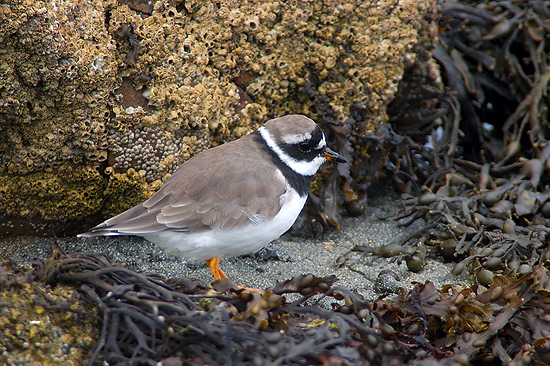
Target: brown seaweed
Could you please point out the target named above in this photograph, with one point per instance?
(147, 319)
(474, 162)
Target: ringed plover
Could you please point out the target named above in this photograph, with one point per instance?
(232, 199)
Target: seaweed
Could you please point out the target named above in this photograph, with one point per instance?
(307, 320)
(471, 157)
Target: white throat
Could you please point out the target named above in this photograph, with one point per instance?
(303, 167)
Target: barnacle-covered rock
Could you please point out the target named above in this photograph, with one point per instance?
(86, 86)
(42, 197)
(41, 324)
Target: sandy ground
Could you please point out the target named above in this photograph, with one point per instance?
(284, 258)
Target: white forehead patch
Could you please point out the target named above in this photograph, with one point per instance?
(303, 167)
(295, 139)
(321, 143)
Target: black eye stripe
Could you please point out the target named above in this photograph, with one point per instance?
(305, 150)
(310, 143)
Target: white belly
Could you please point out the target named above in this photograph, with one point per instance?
(237, 241)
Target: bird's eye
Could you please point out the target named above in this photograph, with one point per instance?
(304, 147)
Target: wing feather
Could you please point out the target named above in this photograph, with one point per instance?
(205, 194)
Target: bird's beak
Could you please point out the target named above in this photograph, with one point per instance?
(333, 155)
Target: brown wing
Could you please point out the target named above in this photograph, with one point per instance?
(208, 191)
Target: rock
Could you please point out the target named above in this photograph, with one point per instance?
(96, 85)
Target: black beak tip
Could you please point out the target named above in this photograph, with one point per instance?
(340, 159)
(333, 155)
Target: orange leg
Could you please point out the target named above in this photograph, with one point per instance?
(219, 275)
(214, 265)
